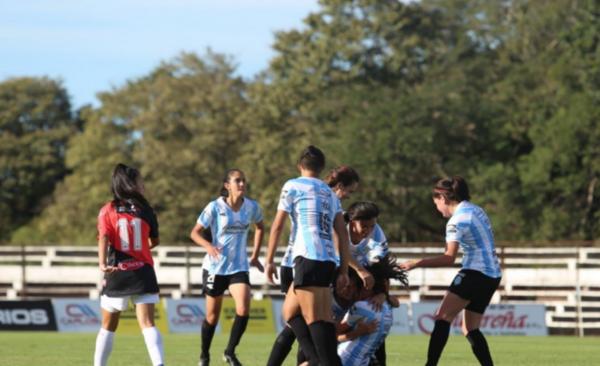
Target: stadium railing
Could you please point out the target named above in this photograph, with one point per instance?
(562, 276)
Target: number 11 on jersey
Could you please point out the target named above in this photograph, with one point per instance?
(123, 226)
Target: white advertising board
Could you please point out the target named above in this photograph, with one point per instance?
(498, 319)
(187, 315)
(77, 315)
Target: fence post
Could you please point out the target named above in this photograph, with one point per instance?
(23, 273)
(580, 330)
(188, 291)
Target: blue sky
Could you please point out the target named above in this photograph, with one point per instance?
(94, 46)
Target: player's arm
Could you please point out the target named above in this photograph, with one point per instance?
(276, 232)
(343, 247)
(345, 332)
(196, 236)
(154, 242)
(259, 234)
(102, 254)
(445, 260)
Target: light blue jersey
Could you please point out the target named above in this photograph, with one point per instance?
(470, 226)
(338, 311)
(370, 249)
(312, 206)
(230, 232)
(358, 351)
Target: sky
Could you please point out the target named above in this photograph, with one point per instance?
(95, 46)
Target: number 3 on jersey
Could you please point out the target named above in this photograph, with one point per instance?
(123, 226)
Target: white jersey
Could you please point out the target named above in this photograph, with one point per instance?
(470, 226)
(338, 311)
(370, 249)
(230, 232)
(358, 351)
(312, 206)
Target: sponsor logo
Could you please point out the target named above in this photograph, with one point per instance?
(79, 314)
(451, 229)
(24, 317)
(188, 314)
(131, 265)
(236, 228)
(324, 194)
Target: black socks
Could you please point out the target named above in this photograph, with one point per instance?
(237, 330)
(282, 347)
(325, 339)
(480, 347)
(303, 334)
(208, 331)
(437, 342)
(380, 355)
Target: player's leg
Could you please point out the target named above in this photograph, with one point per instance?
(285, 340)
(316, 306)
(111, 312)
(471, 323)
(380, 355)
(241, 295)
(213, 286)
(452, 304)
(292, 313)
(144, 311)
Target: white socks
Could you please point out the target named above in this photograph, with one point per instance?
(154, 343)
(104, 346)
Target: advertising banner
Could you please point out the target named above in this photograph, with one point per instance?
(78, 315)
(261, 316)
(280, 322)
(27, 315)
(498, 319)
(400, 324)
(128, 322)
(187, 315)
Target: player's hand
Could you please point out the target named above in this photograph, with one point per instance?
(214, 252)
(367, 278)
(363, 328)
(377, 301)
(256, 263)
(342, 280)
(108, 269)
(271, 271)
(407, 266)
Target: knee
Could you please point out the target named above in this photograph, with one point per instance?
(310, 316)
(242, 309)
(445, 316)
(146, 323)
(212, 319)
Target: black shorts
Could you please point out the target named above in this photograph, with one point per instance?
(311, 273)
(475, 286)
(286, 277)
(215, 285)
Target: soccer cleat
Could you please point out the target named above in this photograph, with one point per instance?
(204, 362)
(231, 360)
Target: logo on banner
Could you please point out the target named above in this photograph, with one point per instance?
(188, 314)
(24, 317)
(79, 314)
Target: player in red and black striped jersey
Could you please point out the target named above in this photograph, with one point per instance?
(127, 230)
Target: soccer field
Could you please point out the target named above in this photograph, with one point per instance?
(51, 348)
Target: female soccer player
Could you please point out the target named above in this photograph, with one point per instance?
(358, 351)
(127, 230)
(475, 284)
(316, 212)
(343, 181)
(225, 266)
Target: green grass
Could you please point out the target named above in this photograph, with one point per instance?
(64, 349)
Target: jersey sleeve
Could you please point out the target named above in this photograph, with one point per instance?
(258, 215)
(380, 245)
(104, 225)
(207, 217)
(286, 200)
(360, 310)
(456, 229)
(337, 204)
(153, 225)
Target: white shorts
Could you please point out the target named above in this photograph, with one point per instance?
(116, 304)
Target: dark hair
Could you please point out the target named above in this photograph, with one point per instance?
(343, 173)
(223, 192)
(385, 269)
(455, 188)
(123, 186)
(312, 159)
(351, 274)
(361, 210)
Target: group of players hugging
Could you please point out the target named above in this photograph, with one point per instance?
(335, 273)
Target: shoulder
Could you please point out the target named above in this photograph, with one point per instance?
(362, 307)
(106, 209)
(464, 213)
(378, 234)
(252, 203)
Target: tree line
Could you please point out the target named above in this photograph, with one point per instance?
(505, 93)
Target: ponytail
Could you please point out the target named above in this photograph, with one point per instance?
(123, 187)
(455, 188)
(312, 159)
